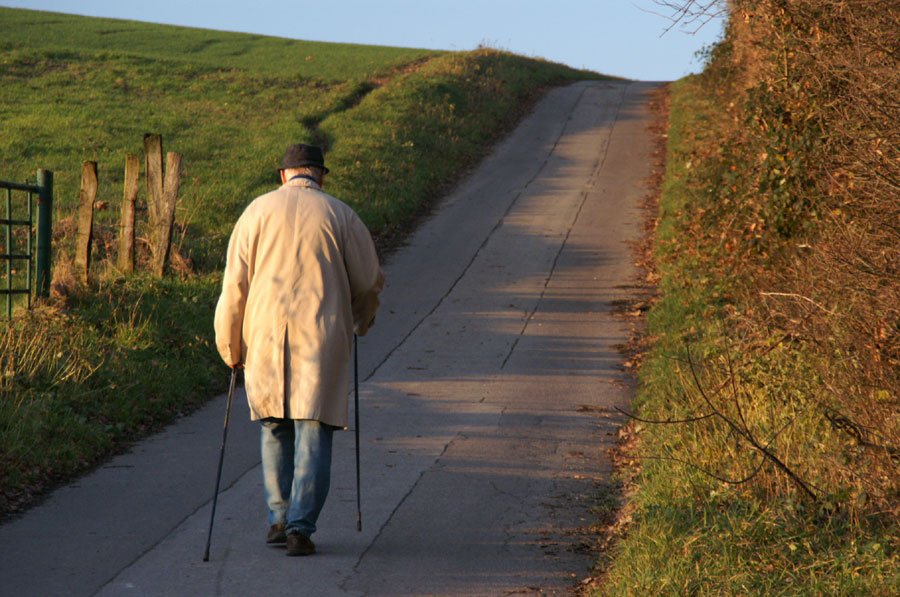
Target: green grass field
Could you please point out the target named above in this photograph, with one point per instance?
(79, 89)
(83, 376)
(70, 35)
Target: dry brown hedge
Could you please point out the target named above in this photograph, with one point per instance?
(803, 200)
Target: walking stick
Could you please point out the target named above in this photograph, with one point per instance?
(212, 516)
(356, 412)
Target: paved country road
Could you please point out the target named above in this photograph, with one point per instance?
(487, 394)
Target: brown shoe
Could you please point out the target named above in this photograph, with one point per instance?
(276, 534)
(299, 545)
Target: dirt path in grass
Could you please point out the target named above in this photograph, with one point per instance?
(488, 389)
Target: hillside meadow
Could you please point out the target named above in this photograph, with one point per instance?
(101, 365)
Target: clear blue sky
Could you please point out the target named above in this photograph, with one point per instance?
(615, 37)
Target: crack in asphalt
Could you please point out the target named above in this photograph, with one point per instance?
(595, 175)
(164, 537)
(390, 517)
(483, 244)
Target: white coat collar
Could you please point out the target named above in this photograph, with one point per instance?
(302, 182)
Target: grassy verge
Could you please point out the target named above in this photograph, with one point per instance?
(106, 363)
(79, 385)
(711, 516)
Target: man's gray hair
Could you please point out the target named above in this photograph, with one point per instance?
(313, 171)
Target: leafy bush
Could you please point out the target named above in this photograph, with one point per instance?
(771, 465)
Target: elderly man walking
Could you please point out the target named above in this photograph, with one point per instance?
(301, 277)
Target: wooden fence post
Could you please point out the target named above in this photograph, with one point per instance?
(126, 233)
(154, 172)
(44, 232)
(161, 198)
(165, 214)
(84, 234)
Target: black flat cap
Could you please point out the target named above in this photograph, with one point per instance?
(301, 154)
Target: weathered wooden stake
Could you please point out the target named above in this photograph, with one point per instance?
(165, 215)
(154, 171)
(45, 231)
(126, 232)
(84, 234)
(161, 198)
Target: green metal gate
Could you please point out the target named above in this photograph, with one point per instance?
(18, 249)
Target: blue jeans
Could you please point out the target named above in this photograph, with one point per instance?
(296, 466)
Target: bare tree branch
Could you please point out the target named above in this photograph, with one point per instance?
(689, 15)
(747, 436)
(666, 421)
(747, 479)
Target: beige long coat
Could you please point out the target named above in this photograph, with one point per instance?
(301, 275)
